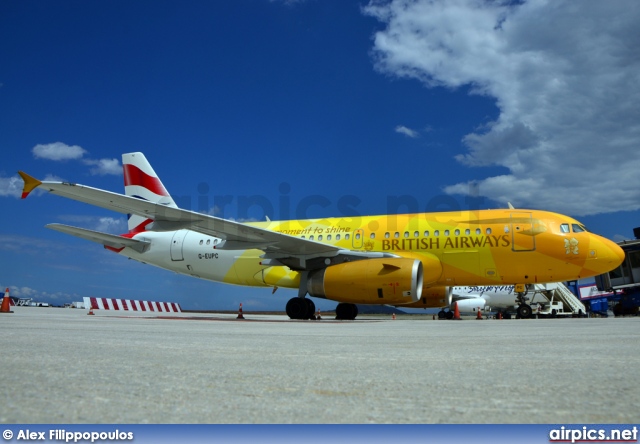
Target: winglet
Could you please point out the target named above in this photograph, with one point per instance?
(30, 183)
(510, 206)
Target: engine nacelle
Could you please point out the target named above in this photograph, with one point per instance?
(471, 304)
(369, 281)
(432, 297)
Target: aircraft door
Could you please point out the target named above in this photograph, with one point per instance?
(522, 238)
(358, 238)
(176, 245)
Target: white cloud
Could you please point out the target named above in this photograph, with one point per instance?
(566, 79)
(61, 151)
(58, 298)
(53, 178)
(288, 2)
(58, 151)
(104, 166)
(111, 225)
(11, 186)
(407, 131)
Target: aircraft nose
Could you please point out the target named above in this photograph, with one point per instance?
(619, 254)
(610, 255)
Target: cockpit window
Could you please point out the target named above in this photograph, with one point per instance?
(578, 228)
(564, 228)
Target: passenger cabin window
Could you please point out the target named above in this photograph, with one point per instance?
(436, 233)
(320, 237)
(372, 235)
(346, 236)
(386, 235)
(406, 234)
(328, 237)
(467, 232)
(311, 237)
(564, 228)
(208, 241)
(446, 232)
(200, 241)
(358, 236)
(337, 237)
(396, 235)
(426, 234)
(457, 232)
(416, 234)
(488, 230)
(478, 231)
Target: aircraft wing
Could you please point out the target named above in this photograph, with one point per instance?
(108, 240)
(235, 235)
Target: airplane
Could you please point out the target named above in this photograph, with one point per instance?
(503, 299)
(403, 260)
(472, 298)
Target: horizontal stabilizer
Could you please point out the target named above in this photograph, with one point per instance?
(108, 240)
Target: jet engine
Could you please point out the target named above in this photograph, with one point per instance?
(369, 281)
(432, 297)
(471, 304)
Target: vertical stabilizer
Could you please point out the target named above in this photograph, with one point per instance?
(142, 182)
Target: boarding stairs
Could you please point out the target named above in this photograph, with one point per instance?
(559, 292)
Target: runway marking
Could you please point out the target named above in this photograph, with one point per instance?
(197, 318)
(194, 318)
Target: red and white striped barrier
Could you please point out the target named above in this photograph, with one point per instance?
(129, 305)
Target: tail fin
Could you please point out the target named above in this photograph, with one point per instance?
(142, 182)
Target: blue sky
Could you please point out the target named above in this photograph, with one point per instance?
(321, 108)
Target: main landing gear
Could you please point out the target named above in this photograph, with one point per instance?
(301, 308)
(304, 308)
(346, 311)
(445, 314)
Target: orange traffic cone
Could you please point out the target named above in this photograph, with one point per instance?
(479, 317)
(90, 311)
(393, 316)
(240, 312)
(456, 312)
(6, 303)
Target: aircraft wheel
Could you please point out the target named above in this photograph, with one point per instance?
(442, 314)
(346, 311)
(342, 311)
(311, 309)
(449, 315)
(524, 311)
(297, 308)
